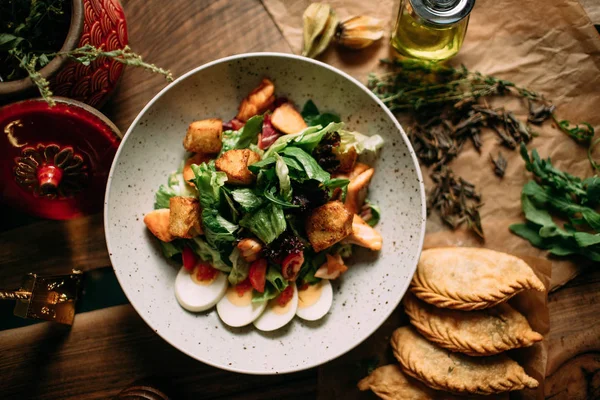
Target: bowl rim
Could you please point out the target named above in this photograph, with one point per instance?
(301, 59)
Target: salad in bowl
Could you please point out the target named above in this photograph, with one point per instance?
(265, 210)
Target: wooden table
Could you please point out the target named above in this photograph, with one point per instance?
(110, 348)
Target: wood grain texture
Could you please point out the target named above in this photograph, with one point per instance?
(108, 349)
(181, 35)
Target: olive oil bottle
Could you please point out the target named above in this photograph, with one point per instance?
(431, 29)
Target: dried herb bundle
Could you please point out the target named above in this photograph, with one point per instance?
(449, 108)
(456, 200)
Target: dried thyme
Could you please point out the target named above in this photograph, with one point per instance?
(499, 164)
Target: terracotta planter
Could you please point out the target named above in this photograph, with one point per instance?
(100, 23)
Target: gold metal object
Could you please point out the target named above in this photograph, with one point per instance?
(49, 298)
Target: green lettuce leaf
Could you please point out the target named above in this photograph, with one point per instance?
(170, 249)
(269, 293)
(240, 269)
(309, 141)
(311, 167)
(285, 140)
(282, 171)
(219, 232)
(247, 199)
(209, 181)
(277, 280)
(267, 223)
(163, 196)
(210, 254)
(243, 138)
(362, 143)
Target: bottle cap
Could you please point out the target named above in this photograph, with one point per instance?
(442, 12)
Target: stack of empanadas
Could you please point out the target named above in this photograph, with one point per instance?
(460, 325)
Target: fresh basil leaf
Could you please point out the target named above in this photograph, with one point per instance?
(277, 280)
(240, 269)
(309, 110)
(243, 138)
(311, 167)
(290, 162)
(585, 239)
(210, 254)
(312, 117)
(267, 223)
(530, 232)
(247, 199)
(263, 164)
(534, 214)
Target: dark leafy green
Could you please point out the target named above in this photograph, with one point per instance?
(313, 117)
(311, 167)
(171, 249)
(277, 280)
(243, 138)
(240, 269)
(247, 199)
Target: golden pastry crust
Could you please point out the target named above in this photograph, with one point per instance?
(466, 278)
(454, 372)
(390, 383)
(476, 333)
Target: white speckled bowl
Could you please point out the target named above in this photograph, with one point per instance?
(152, 148)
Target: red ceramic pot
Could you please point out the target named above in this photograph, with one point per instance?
(54, 161)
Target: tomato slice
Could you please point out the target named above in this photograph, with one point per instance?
(290, 267)
(205, 271)
(189, 259)
(243, 287)
(257, 274)
(285, 296)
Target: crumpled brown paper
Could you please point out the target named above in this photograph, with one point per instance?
(547, 45)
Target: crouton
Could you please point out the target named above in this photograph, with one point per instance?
(187, 168)
(235, 164)
(157, 222)
(204, 136)
(347, 159)
(287, 119)
(332, 269)
(364, 235)
(328, 224)
(357, 191)
(184, 221)
(258, 101)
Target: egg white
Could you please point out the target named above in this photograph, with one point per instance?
(236, 316)
(321, 306)
(270, 320)
(197, 297)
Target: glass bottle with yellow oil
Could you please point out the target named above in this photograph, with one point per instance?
(431, 29)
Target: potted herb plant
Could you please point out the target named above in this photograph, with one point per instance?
(40, 37)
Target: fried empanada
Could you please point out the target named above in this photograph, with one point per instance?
(476, 333)
(390, 383)
(466, 278)
(442, 370)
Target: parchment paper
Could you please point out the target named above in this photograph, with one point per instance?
(547, 45)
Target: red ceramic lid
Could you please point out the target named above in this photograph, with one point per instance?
(54, 161)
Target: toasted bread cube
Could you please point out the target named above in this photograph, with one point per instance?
(347, 160)
(204, 136)
(357, 190)
(157, 222)
(258, 101)
(328, 224)
(184, 221)
(235, 164)
(197, 159)
(287, 119)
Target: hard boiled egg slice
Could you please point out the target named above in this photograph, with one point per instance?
(315, 301)
(276, 316)
(195, 295)
(236, 310)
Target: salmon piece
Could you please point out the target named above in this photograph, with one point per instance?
(357, 190)
(157, 222)
(187, 168)
(333, 268)
(258, 101)
(287, 119)
(358, 169)
(364, 235)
